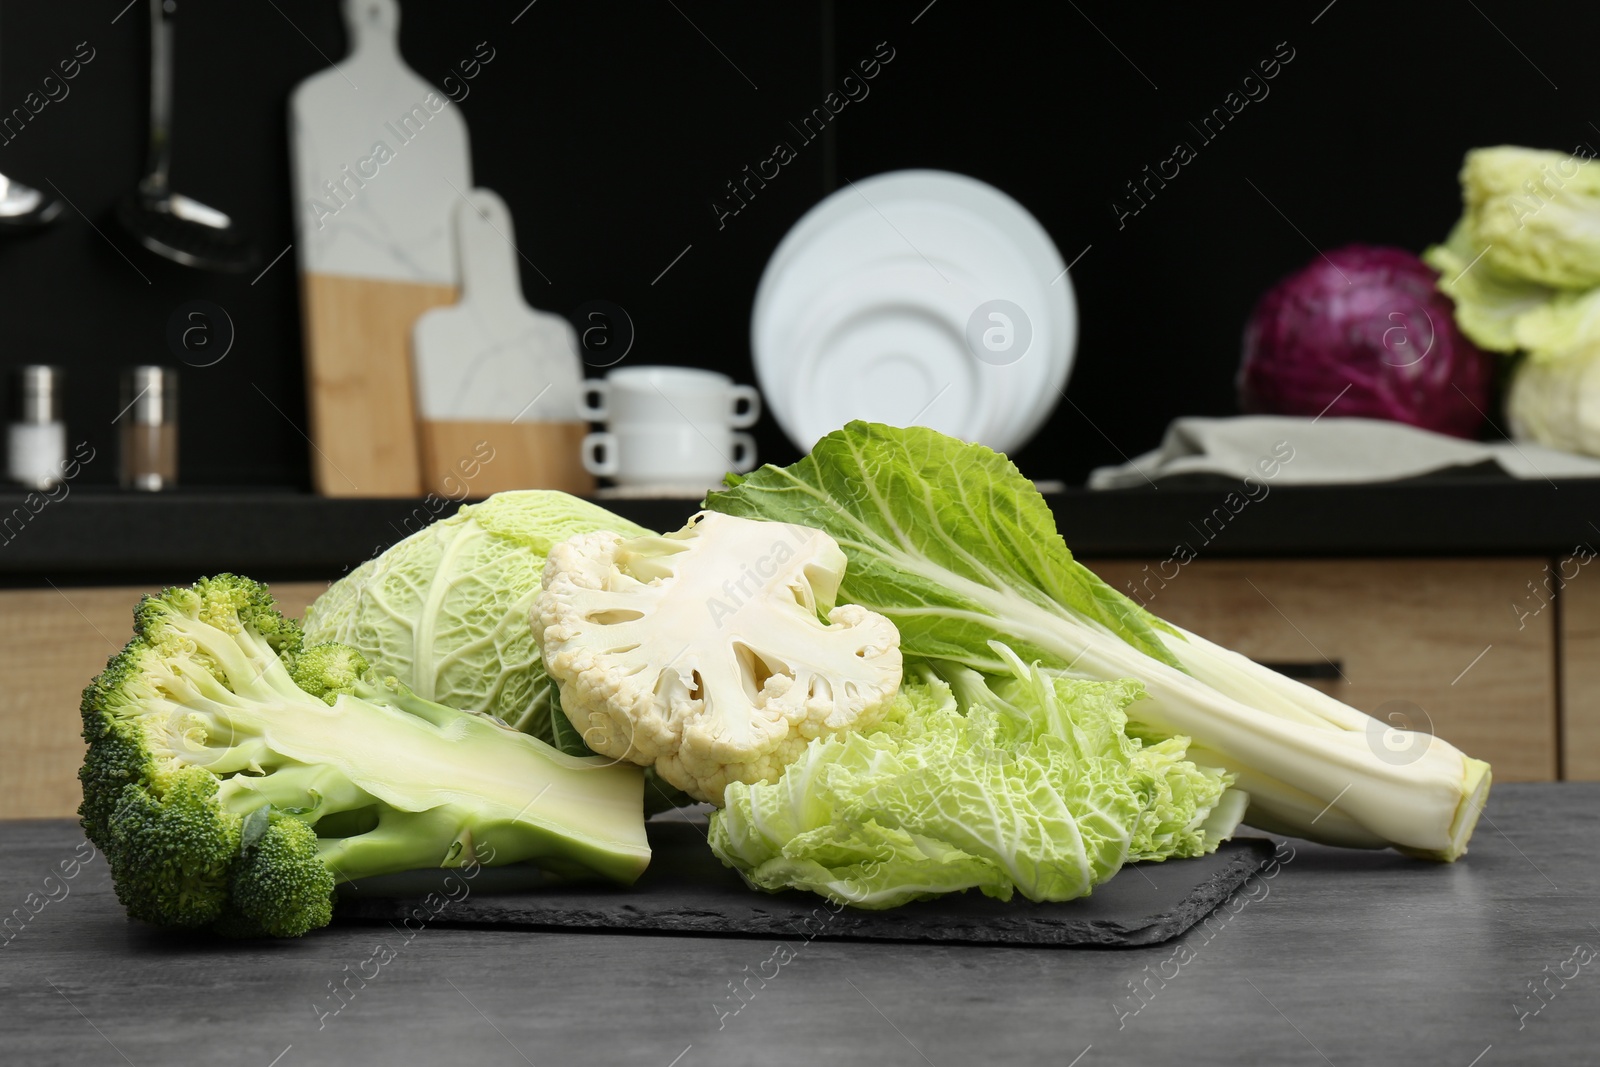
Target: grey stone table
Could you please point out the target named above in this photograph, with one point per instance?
(1342, 957)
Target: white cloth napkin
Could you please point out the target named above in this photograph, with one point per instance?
(1326, 451)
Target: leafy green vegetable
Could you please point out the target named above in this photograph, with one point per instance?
(961, 552)
(1537, 214)
(1523, 268)
(1567, 326)
(1035, 788)
(446, 610)
(1523, 262)
(947, 540)
(1489, 304)
(1556, 402)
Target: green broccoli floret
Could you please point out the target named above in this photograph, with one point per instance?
(325, 671)
(233, 777)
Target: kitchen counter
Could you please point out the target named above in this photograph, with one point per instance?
(102, 536)
(1343, 957)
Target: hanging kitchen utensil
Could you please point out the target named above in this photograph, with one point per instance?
(25, 209)
(380, 158)
(495, 376)
(168, 223)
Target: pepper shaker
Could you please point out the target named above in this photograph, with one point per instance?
(36, 438)
(149, 428)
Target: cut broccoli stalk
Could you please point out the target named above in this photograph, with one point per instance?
(233, 777)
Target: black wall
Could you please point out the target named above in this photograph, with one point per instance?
(610, 128)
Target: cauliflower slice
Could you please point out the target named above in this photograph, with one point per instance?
(703, 652)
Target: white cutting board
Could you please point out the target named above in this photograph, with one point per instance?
(492, 358)
(380, 159)
(394, 149)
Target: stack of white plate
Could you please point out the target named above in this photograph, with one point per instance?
(918, 297)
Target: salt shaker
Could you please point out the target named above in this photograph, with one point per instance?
(149, 428)
(36, 438)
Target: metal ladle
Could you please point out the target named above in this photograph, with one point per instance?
(23, 207)
(168, 223)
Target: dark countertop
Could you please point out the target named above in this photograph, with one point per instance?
(1345, 957)
(101, 536)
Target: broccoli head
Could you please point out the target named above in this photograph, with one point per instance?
(234, 777)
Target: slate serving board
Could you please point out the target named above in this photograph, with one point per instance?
(688, 891)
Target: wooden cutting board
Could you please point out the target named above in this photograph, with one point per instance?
(496, 378)
(380, 158)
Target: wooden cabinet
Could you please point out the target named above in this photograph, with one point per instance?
(1434, 642)
(1451, 645)
(1580, 675)
(52, 642)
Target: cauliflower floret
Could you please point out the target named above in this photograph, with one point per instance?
(704, 653)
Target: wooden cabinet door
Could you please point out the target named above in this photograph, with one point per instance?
(1453, 645)
(1580, 676)
(52, 642)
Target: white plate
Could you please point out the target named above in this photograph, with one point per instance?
(864, 310)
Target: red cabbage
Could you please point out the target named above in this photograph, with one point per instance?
(1362, 331)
